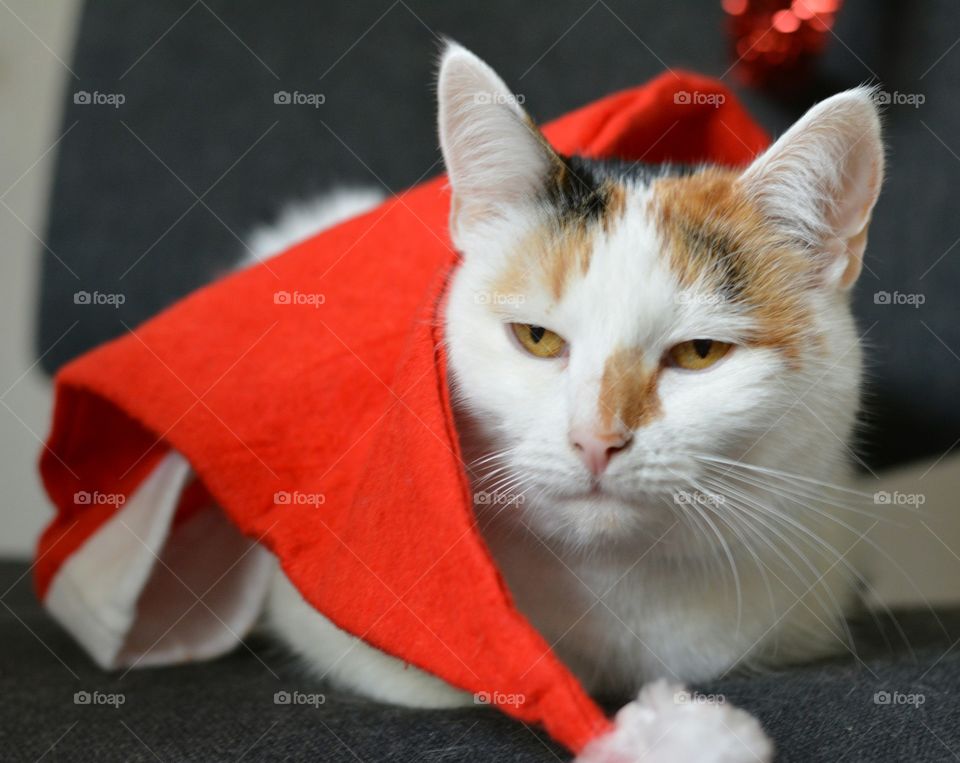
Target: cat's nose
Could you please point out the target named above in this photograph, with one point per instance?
(597, 448)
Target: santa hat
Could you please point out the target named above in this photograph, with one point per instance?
(301, 406)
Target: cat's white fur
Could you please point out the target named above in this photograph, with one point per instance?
(302, 219)
(628, 584)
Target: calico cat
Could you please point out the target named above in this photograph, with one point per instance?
(655, 372)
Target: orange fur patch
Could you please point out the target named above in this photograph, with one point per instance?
(558, 252)
(565, 251)
(614, 203)
(628, 390)
(715, 237)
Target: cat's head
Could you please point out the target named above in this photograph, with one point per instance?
(616, 332)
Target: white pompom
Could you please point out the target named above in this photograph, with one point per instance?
(668, 724)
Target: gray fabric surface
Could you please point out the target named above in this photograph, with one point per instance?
(199, 80)
(224, 710)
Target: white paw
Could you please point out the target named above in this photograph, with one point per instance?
(666, 724)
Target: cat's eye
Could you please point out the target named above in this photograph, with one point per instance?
(698, 354)
(537, 340)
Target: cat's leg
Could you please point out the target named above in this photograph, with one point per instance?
(667, 724)
(348, 662)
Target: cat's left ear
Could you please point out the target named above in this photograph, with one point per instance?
(820, 181)
(495, 156)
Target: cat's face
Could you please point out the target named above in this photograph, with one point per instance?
(614, 334)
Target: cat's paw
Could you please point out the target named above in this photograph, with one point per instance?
(667, 724)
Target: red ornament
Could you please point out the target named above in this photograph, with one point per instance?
(776, 42)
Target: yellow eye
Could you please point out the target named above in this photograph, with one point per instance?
(698, 354)
(537, 340)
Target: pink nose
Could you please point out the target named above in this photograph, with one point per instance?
(596, 449)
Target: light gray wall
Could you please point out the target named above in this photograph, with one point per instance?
(35, 40)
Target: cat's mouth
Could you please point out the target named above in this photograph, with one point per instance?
(601, 490)
(628, 496)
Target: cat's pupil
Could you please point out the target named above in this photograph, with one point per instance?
(702, 347)
(536, 333)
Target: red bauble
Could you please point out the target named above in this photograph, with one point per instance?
(776, 42)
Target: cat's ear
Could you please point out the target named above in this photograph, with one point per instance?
(494, 154)
(820, 181)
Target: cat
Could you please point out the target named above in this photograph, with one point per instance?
(655, 374)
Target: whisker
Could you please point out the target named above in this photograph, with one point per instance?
(729, 554)
(814, 570)
(792, 495)
(744, 542)
(779, 473)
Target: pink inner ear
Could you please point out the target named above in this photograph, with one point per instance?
(822, 178)
(855, 248)
(860, 183)
(850, 216)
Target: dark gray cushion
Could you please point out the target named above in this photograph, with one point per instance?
(225, 709)
(199, 81)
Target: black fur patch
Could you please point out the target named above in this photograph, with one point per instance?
(724, 256)
(576, 192)
(579, 189)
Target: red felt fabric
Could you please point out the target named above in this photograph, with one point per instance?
(348, 399)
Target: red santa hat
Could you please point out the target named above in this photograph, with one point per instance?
(183, 450)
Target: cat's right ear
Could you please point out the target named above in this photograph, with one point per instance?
(820, 181)
(494, 154)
